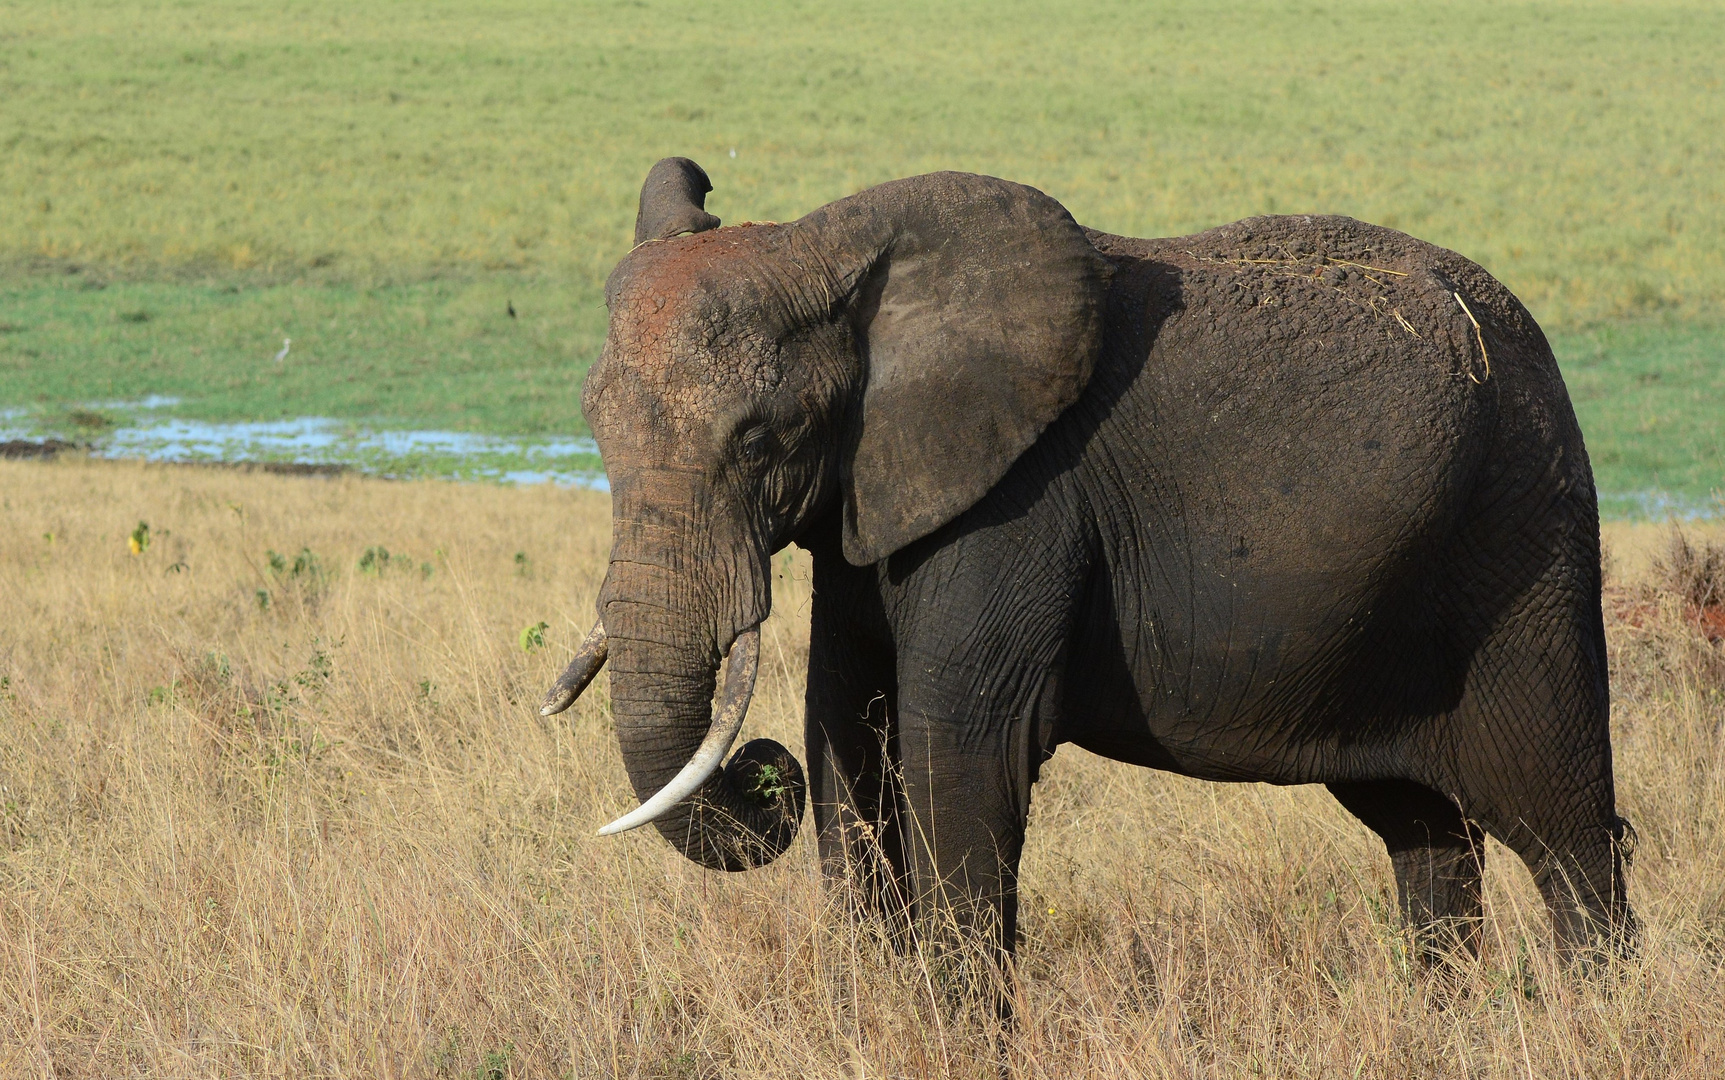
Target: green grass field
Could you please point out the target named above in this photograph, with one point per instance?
(182, 185)
(440, 352)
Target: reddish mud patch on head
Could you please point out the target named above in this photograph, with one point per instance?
(691, 335)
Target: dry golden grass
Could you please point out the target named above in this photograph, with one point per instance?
(332, 837)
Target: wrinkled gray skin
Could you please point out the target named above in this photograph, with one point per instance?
(1256, 504)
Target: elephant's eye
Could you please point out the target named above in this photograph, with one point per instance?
(756, 444)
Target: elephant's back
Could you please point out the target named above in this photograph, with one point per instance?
(1289, 425)
(1303, 373)
(1328, 274)
(1371, 320)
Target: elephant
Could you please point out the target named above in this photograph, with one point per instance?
(1297, 500)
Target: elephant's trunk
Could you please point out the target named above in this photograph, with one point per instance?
(742, 663)
(664, 657)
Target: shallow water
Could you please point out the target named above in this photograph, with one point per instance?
(1658, 506)
(142, 431)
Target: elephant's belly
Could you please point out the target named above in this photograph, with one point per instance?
(1249, 642)
(1267, 673)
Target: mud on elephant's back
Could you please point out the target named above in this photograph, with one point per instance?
(1322, 275)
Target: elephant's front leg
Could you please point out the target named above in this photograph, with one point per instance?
(982, 648)
(964, 833)
(975, 713)
(851, 692)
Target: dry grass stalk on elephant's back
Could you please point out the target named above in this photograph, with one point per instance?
(294, 816)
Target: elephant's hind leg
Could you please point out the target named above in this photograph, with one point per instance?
(1437, 855)
(1532, 734)
(1543, 785)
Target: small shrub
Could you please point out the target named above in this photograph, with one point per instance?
(1695, 573)
(377, 560)
(533, 637)
(374, 561)
(306, 565)
(304, 576)
(494, 1064)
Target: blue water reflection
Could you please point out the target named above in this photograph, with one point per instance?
(143, 434)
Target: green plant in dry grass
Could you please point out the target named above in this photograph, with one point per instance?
(532, 636)
(494, 1064)
(304, 578)
(377, 560)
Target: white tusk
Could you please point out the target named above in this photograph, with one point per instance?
(740, 668)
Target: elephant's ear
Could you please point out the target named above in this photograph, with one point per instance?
(978, 310)
(673, 201)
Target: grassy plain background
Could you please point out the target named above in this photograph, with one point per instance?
(331, 836)
(377, 182)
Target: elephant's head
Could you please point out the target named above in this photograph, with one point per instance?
(893, 352)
